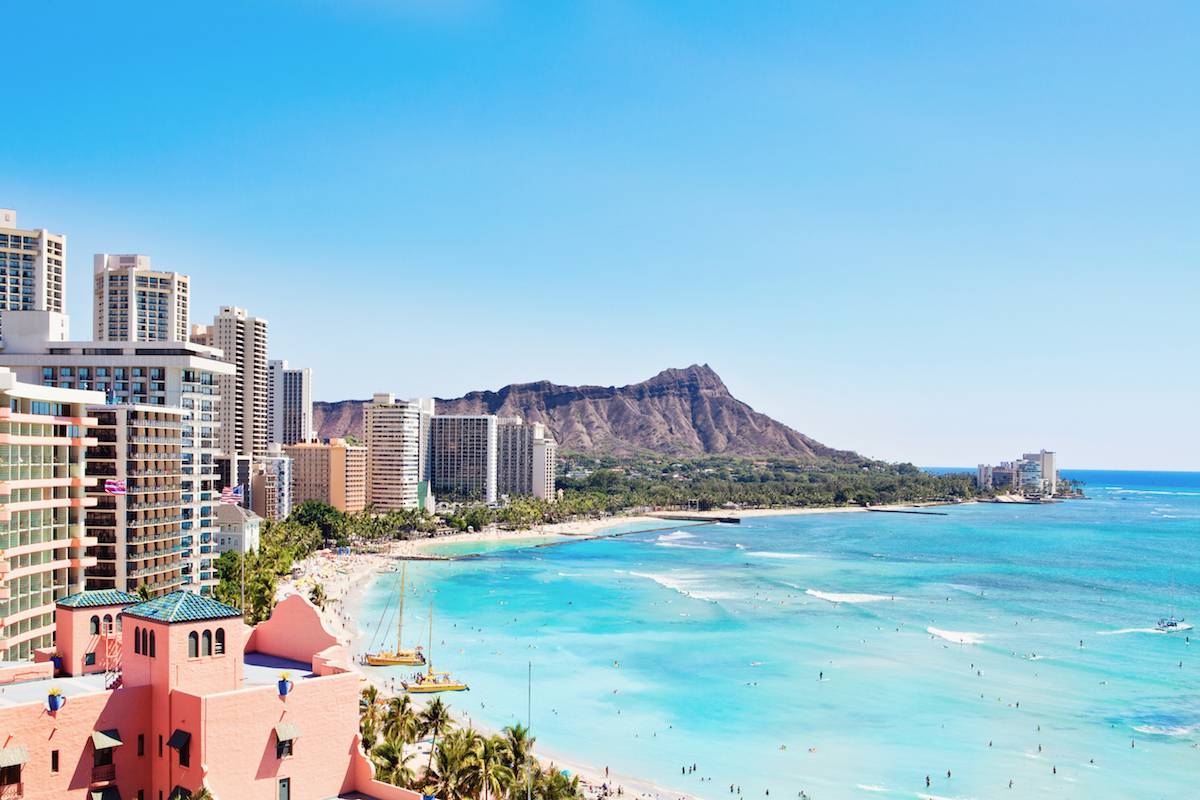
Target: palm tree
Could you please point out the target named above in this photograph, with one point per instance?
(317, 596)
(495, 776)
(552, 784)
(436, 718)
(456, 775)
(401, 720)
(391, 762)
(519, 745)
(368, 715)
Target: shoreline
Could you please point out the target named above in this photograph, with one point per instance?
(346, 579)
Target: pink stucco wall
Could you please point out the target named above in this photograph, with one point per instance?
(232, 725)
(294, 631)
(69, 731)
(75, 640)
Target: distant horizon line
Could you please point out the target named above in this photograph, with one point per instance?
(1082, 469)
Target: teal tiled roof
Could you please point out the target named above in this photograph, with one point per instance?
(182, 607)
(99, 597)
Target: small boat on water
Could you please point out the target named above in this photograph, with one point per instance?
(431, 682)
(1172, 624)
(399, 656)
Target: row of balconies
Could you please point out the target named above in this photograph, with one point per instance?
(149, 521)
(153, 504)
(154, 439)
(157, 536)
(132, 555)
(154, 569)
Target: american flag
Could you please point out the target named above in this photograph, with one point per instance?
(232, 495)
(114, 486)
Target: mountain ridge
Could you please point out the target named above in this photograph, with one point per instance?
(684, 412)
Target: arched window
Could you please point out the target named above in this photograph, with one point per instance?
(152, 644)
(145, 642)
(206, 643)
(95, 626)
(108, 626)
(193, 645)
(220, 648)
(137, 642)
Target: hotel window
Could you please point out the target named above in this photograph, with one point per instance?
(193, 645)
(220, 646)
(206, 643)
(152, 644)
(137, 642)
(141, 744)
(54, 762)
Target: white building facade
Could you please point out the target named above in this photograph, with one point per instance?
(32, 268)
(289, 410)
(133, 302)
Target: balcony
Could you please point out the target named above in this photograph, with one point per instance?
(148, 521)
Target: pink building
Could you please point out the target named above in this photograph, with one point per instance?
(161, 698)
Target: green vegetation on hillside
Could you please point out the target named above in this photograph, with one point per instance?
(707, 483)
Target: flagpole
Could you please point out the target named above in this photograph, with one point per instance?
(529, 732)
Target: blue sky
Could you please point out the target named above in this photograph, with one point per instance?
(937, 232)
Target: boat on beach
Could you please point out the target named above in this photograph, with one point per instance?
(399, 656)
(430, 681)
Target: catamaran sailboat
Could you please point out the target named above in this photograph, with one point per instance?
(430, 682)
(1172, 624)
(397, 657)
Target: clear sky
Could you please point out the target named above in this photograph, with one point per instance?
(938, 232)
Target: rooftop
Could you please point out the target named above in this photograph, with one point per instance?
(35, 691)
(262, 669)
(181, 606)
(98, 598)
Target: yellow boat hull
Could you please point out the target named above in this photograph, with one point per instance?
(403, 658)
(432, 688)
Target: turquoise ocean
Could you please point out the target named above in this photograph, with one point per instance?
(790, 653)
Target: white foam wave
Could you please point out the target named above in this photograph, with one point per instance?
(1178, 730)
(675, 537)
(834, 597)
(685, 583)
(1156, 492)
(869, 788)
(1184, 627)
(570, 574)
(768, 554)
(957, 637)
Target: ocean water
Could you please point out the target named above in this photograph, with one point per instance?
(791, 653)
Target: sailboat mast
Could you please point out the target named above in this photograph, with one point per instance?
(400, 620)
(430, 659)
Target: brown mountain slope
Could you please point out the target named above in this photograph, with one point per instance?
(677, 412)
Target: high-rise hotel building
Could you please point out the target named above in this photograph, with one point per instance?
(44, 432)
(462, 457)
(394, 431)
(139, 529)
(136, 303)
(182, 375)
(32, 266)
(242, 340)
(289, 403)
(332, 472)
